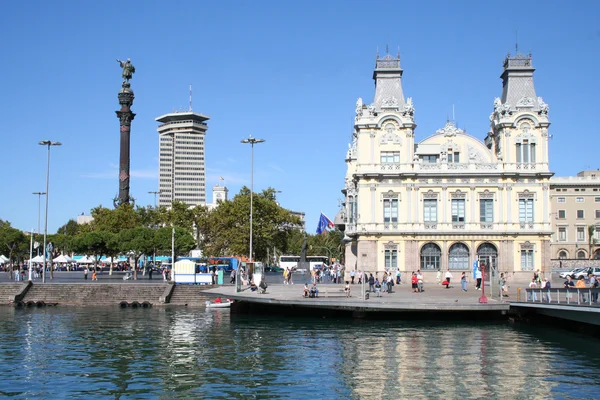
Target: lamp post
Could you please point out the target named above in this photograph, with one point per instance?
(154, 255)
(252, 142)
(39, 195)
(49, 144)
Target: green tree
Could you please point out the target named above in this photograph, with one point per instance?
(136, 242)
(122, 217)
(184, 242)
(14, 242)
(228, 226)
(97, 244)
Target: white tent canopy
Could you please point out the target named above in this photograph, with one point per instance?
(3, 259)
(85, 260)
(38, 259)
(63, 259)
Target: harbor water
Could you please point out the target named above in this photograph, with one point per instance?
(178, 352)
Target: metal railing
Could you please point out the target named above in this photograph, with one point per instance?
(587, 296)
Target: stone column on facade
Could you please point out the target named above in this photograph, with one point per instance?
(409, 202)
(372, 135)
(444, 264)
(472, 217)
(501, 204)
(546, 267)
(544, 159)
(373, 204)
(509, 204)
(510, 252)
(415, 211)
(444, 204)
(546, 195)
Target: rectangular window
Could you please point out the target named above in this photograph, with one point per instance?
(562, 214)
(579, 200)
(526, 210)
(597, 214)
(525, 149)
(597, 199)
(391, 259)
(527, 260)
(561, 200)
(390, 157)
(458, 210)
(430, 210)
(486, 210)
(581, 234)
(453, 157)
(431, 159)
(351, 207)
(579, 214)
(532, 156)
(390, 210)
(562, 234)
(519, 155)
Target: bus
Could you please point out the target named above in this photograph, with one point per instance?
(227, 264)
(318, 262)
(289, 262)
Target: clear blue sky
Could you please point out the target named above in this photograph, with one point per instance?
(288, 72)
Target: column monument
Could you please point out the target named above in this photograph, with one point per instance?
(125, 116)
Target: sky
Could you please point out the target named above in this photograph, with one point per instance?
(289, 72)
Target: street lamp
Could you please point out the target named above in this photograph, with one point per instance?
(154, 255)
(252, 142)
(155, 193)
(49, 144)
(39, 195)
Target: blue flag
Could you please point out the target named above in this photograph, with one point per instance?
(324, 223)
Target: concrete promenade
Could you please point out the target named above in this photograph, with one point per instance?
(332, 297)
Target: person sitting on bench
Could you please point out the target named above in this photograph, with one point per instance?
(347, 289)
(314, 292)
(253, 286)
(305, 294)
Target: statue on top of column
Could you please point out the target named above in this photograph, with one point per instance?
(128, 69)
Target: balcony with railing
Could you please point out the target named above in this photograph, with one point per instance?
(445, 227)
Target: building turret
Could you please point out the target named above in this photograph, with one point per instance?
(388, 83)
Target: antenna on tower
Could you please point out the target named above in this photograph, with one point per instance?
(517, 40)
(190, 97)
(453, 119)
(387, 50)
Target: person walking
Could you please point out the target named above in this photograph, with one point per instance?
(384, 282)
(463, 281)
(546, 285)
(371, 283)
(420, 281)
(414, 282)
(478, 278)
(532, 296)
(390, 283)
(85, 273)
(352, 275)
(232, 277)
(581, 285)
(398, 276)
(360, 276)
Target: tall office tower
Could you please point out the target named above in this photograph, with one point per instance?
(181, 171)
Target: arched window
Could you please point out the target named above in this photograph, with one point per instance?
(486, 254)
(581, 255)
(597, 255)
(430, 257)
(563, 255)
(458, 257)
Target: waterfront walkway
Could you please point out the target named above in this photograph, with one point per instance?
(332, 296)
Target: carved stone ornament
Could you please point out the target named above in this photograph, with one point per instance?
(527, 245)
(544, 108)
(373, 187)
(390, 245)
(526, 102)
(359, 108)
(449, 130)
(409, 108)
(500, 110)
(526, 195)
(390, 135)
(459, 195)
(371, 109)
(430, 194)
(475, 155)
(485, 195)
(544, 133)
(389, 102)
(390, 194)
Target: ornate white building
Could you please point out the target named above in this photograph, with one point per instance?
(450, 199)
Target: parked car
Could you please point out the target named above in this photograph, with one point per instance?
(585, 271)
(570, 273)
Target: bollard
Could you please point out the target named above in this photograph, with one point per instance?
(518, 294)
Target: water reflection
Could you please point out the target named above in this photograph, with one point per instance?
(197, 353)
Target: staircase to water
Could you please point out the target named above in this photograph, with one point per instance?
(190, 295)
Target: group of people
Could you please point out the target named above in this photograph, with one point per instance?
(592, 282)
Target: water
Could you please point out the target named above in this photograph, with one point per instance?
(166, 353)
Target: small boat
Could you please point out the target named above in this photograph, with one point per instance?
(223, 304)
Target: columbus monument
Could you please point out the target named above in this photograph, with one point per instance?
(125, 116)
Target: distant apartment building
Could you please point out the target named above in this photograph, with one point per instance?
(575, 203)
(182, 173)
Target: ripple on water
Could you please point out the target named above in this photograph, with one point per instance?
(192, 353)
